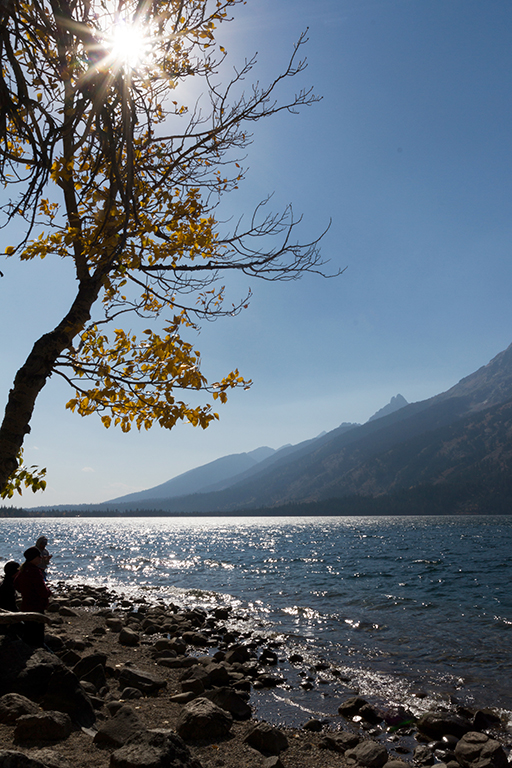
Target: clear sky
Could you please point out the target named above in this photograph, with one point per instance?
(410, 154)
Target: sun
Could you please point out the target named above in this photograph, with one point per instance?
(129, 46)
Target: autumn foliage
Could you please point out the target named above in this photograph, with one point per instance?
(106, 165)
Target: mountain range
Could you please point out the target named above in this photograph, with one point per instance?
(451, 453)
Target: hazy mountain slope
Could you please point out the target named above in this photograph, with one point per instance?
(281, 456)
(464, 448)
(342, 464)
(229, 470)
(196, 479)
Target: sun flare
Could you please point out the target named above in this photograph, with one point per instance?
(129, 45)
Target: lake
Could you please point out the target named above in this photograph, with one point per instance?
(401, 605)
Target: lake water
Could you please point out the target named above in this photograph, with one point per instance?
(402, 606)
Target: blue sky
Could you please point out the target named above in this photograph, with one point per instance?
(409, 154)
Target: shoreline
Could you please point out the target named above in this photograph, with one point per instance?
(193, 654)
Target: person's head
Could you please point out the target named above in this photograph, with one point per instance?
(41, 542)
(11, 568)
(32, 555)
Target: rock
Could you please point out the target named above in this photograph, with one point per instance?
(128, 637)
(370, 714)
(351, 706)
(13, 705)
(238, 653)
(437, 724)
(192, 686)
(65, 611)
(54, 642)
(130, 693)
(296, 658)
(274, 761)
(399, 764)
(267, 739)
(332, 743)
(147, 682)
(116, 731)
(423, 755)
(10, 758)
(87, 663)
(398, 717)
(221, 613)
(230, 701)
(477, 750)
(204, 719)
(195, 638)
(486, 718)
(96, 677)
(70, 658)
(64, 693)
(217, 674)
(32, 680)
(368, 753)
(269, 681)
(114, 624)
(49, 758)
(180, 662)
(313, 725)
(89, 688)
(198, 674)
(340, 742)
(348, 739)
(44, 726)
(183, 698)
(154, 749)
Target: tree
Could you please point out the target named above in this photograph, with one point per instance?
(107, 167)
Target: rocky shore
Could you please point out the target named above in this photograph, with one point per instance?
(123, 685)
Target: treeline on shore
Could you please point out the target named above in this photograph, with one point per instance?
(482, 495)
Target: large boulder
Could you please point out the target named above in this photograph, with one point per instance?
(154, 749)
(32, 681)
(13, 705)
(65, 694)
(42, 677)
(44, 726)
(477, 750)
(202, 720)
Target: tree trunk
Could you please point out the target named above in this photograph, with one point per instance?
(32, 376)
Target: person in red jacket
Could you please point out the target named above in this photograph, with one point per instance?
(35, 595)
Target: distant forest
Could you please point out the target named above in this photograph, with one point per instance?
(483, 494)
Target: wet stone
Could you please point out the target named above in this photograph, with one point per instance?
(370, 754)
(477, 750)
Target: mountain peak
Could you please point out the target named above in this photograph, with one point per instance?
(396, 402)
